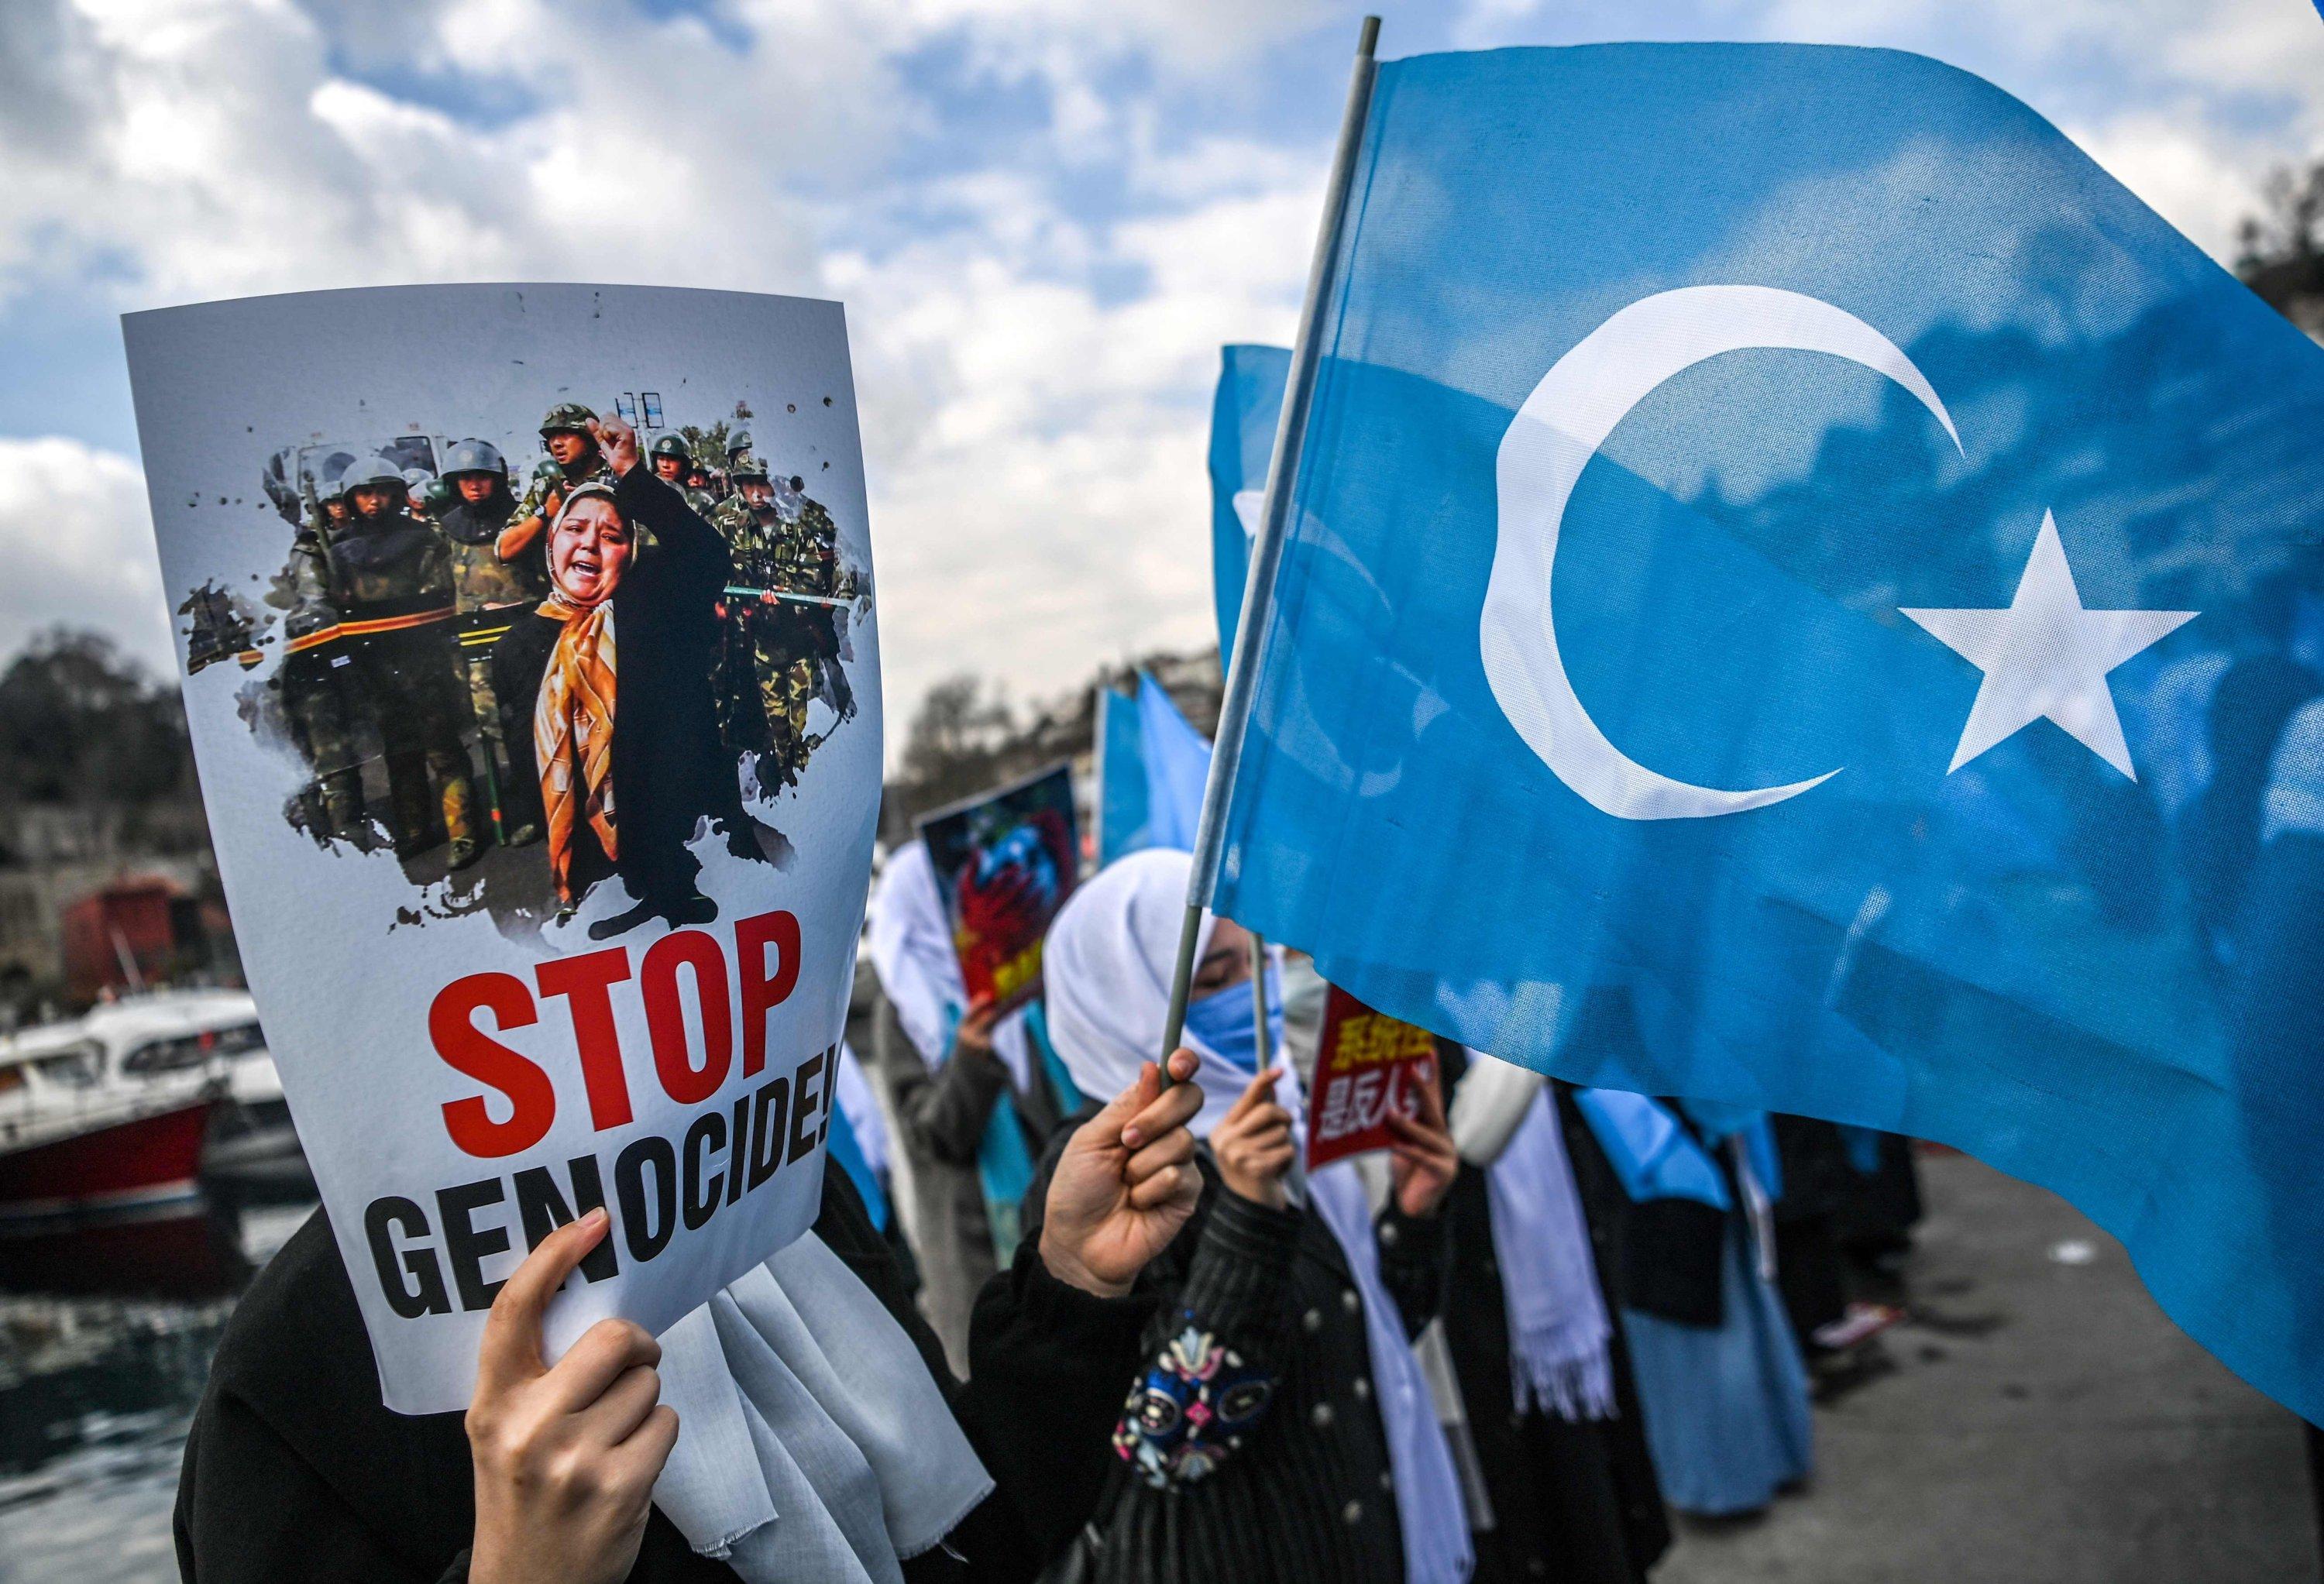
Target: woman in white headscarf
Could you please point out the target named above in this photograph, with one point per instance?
(975, 1096)
(1280, 1430)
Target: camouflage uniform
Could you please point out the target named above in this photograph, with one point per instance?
(790, 547)
(488, 593)
(392, 568)
(745, 711)
(546, 493)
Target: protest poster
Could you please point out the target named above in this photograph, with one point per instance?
(1367, 1064)
(544, 777)
(1005, 863)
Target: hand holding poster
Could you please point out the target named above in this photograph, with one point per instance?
(1368, 1065)
(1005, 863)
(547, 854)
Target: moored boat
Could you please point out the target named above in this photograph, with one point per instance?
(72, 1144)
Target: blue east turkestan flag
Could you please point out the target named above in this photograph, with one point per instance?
(1794, 596)
(1151, 765)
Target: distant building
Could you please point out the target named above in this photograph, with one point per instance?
(95, 898)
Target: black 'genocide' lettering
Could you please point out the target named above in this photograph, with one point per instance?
(646, 1225)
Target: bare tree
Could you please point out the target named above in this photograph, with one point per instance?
(959, 743)
(2292, 226)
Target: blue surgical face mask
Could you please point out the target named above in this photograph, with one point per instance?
(1225, 1022)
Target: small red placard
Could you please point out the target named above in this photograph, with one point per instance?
(1366, 1062)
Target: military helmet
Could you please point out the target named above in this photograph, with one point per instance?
(737, 441)
(374, 473)
(745, 465)
(569, 416)
(547, 471)
(332, 484)
(473, 457)
(673, 446)
(416, 478)
(440, 496)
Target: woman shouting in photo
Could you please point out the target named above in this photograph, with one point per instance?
(619, 660)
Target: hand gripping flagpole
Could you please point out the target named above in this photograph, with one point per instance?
(1267, 544)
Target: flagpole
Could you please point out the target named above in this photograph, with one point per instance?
(1267, 544)
(1258, 1001)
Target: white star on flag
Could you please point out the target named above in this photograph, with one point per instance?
(2046, 655)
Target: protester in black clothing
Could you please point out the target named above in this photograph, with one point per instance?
(627, 750)
(294, 1470)
(1819, 1180)
(1570, 1487)
(391, 580)
(1279, 1431)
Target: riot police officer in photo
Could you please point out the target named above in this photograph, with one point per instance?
(393, 579)
(312, 686)
(328, 511)
(487, 592)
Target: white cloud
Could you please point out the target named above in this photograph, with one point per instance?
(1038, 451)
(74, 526)
(2203, 183)
(1034, 361)
(1033, 380)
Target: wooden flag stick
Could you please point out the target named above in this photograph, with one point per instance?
(1267, 544)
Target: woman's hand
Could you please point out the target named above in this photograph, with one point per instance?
(1125, 1183)
(617, 442)
(1254, 1144)
(1425, 1161)
(566, 1456)
(973, 1038)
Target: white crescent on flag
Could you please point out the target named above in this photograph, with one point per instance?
(1555, 433)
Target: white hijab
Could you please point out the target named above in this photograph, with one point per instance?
(912, 953)
(1505, 1123)
(812, 1443)
(1107, 968)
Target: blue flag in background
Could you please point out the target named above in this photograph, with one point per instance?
(1792, 597)
(1122, 822)
(1243, 415)
(1151, 767)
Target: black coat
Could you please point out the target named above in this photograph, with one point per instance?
(1576, 1503)
(1667, 1255)
(1308, 1498)
(670, 771)
(296, 1471)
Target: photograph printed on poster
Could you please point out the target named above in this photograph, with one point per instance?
(452, 618)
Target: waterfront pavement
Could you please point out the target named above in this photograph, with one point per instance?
(2038, 1421)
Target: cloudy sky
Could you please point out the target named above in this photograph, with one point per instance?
(1043, 217)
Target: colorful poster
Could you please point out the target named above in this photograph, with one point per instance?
(1005, 863)
(545, 848)
(1367, 1066)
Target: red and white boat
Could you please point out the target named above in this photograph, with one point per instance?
(119, 1109)
(72, 1144)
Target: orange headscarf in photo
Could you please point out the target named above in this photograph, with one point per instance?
(573, 731)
